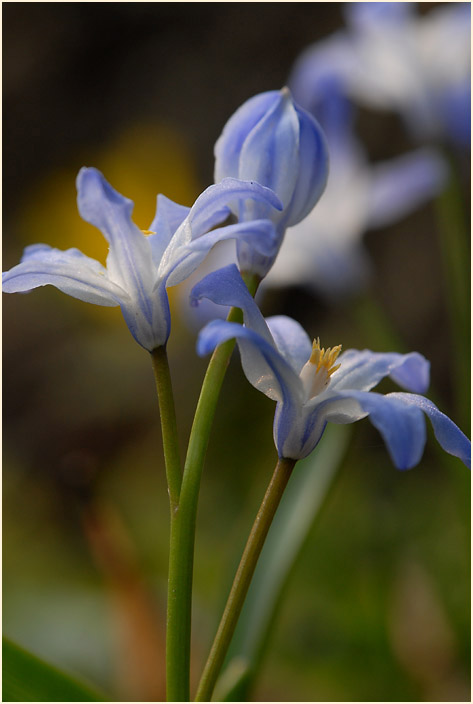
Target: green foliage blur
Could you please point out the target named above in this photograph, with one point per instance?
(377, 607)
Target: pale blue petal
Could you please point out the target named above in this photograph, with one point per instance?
(312, 171)
(259, 235)
(70, 271)
(270, 153)
(129, 262)
(226, 288)
(401, 425)
(296, 439)
(221, 199)
(402, 184)
(362, 370)
(153, 333)
(263, 365)
(291, 340)
(169, 216)
(449, 435)
(229, 145)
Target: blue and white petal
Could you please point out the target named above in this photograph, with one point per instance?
(449, 435)
(228, 147)
(259, 235)
(263, 365)
(225, 287)
(70, 271)
(401, 425)
(211, 208)
(129, 262)
(291, 340)
(270, 152)
(362, 370)
(169, 216)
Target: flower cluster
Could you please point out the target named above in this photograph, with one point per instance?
(271, 169)
(279, 359)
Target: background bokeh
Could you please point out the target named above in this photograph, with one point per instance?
(378, 605)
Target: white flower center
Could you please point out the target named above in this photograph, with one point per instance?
(315, 374)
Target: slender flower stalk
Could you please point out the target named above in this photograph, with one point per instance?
(241, 583)
(183, 522)
(162, 376)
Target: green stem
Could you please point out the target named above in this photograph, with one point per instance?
(183, 523)
(167, 413)
(243, 577)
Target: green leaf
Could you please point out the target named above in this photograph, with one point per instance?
(300, 505)
(26, 678)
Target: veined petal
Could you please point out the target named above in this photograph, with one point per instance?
(362, 370)
(291, 340)
(70, 271)
(401, 425)
(220, 199)
(449, 435)
(313, 168)
(211, 208)
(270, 152)
(169, 216)
(263, 365)
(229, 145)
(402, 184)
(154, 332)
(129, 262)
(296, 437)
(259, 235)
(226, 288)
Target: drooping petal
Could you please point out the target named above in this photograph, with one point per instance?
(215, 203)
(169, 216)
(362, 370)
(129, 262)
(291, 340)
(260, 235)
(449, 435)
(70, 271)
(263, 365)
(226, 288)
(211, 208)
(402, 184)
(401, 425)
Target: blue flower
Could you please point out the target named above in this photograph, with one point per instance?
(271, 140)
(391, 58)
(139, 267)
(324, 251)
(313, 386)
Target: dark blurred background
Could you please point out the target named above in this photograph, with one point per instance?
(378, 605)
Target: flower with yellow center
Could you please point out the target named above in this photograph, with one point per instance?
(311, 390)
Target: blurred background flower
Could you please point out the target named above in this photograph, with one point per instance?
(142, 91)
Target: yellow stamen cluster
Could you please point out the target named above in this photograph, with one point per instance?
(148, 232)
(324, 358)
